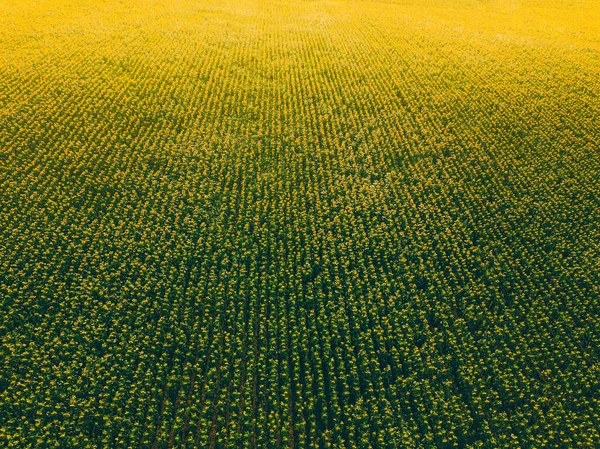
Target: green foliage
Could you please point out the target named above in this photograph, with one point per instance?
(302, 224)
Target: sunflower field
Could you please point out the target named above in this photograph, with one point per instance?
(300, 224)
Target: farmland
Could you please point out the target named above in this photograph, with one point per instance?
(300, 224)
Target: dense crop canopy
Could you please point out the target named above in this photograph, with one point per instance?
(302, 224)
